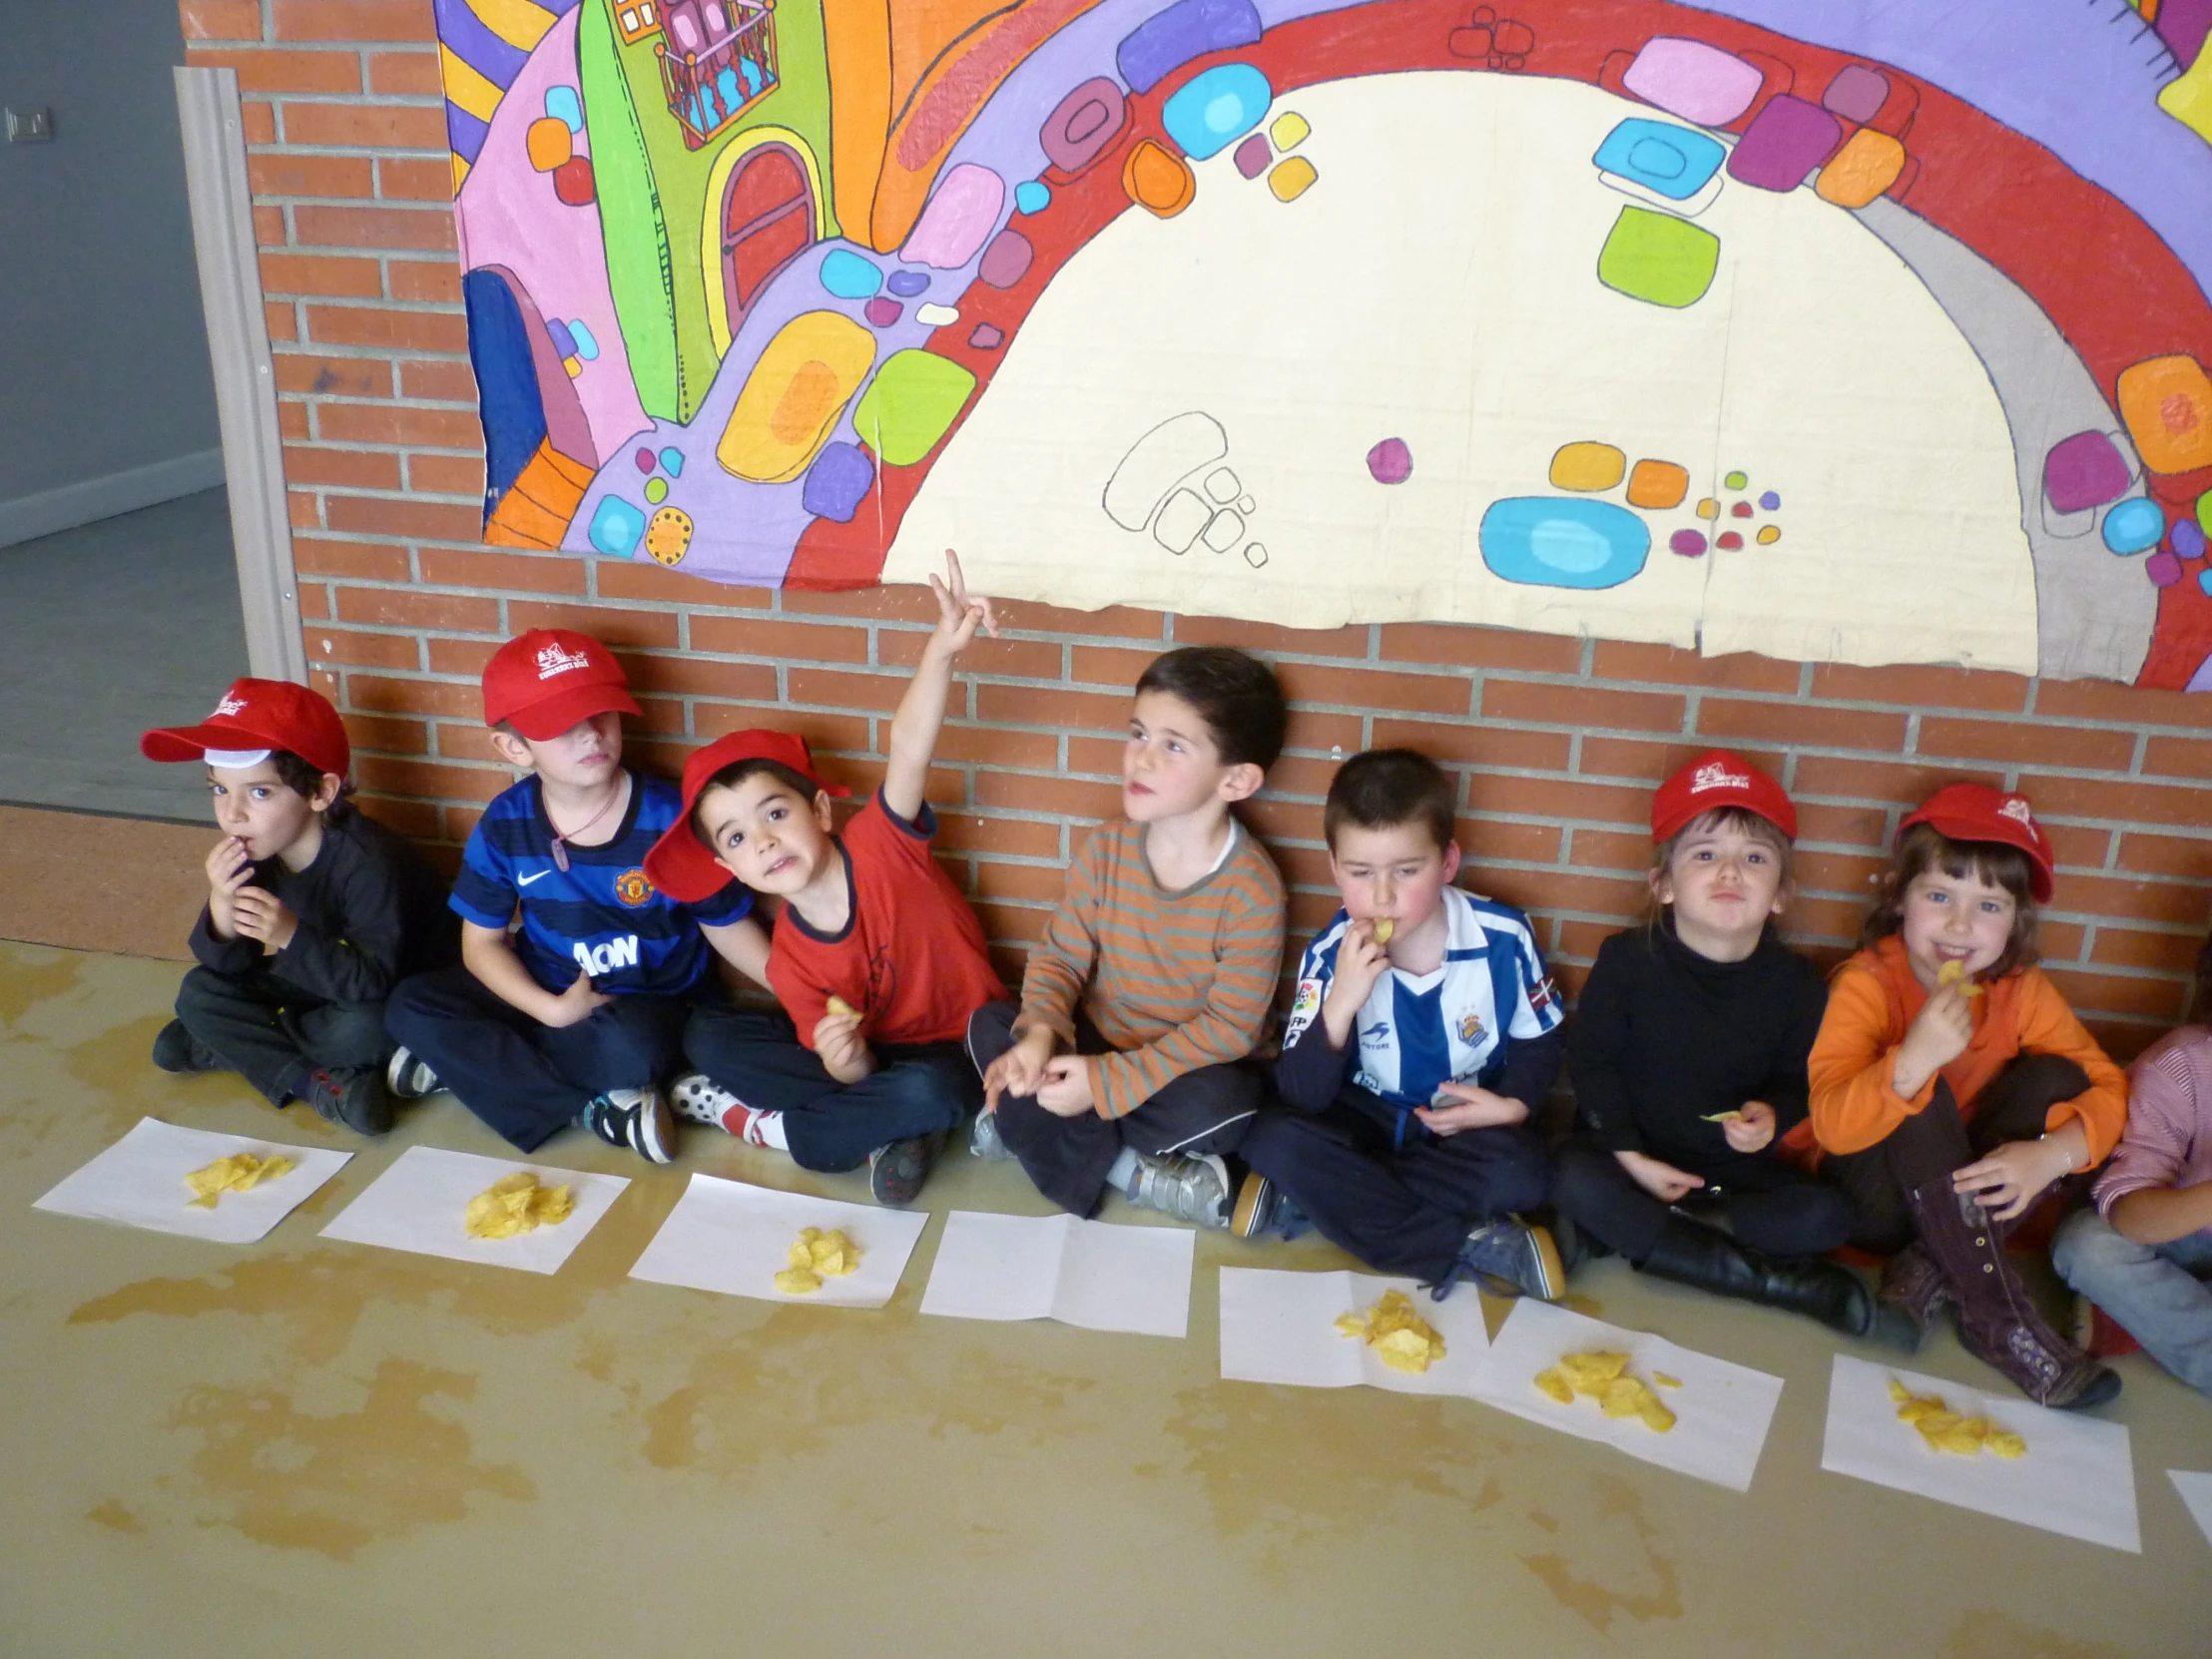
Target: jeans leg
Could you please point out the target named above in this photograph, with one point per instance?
(1590, 1189)
(921, 1090)
(2147, 1288)
(342, 1035)
(238, 1019)
(629, 1042)
(1207, 1110)
(1066, 1158)
(1337, 1168)
(757, 1056)
(487, 1052)
(1797, 1216)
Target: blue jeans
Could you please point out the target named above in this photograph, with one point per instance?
(2158, 1292)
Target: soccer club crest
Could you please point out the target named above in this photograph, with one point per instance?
(633, 888)
(1470, 1028)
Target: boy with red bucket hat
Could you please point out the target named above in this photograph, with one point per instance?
(315, 912)
(578, 1015)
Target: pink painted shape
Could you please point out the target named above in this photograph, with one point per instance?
(1695, 80)
(958, 219)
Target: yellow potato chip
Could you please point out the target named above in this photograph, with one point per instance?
(515, 1204)
(1603, 1375)
(1654, 1411)
(1402, 1339)
(1953, 973)
(816, 1256)
(2004, 1443)
(1666, 1381)
(1384, 929)
(1623, 1397)
(797, 1281)
(1556, 1385)
(1720, 1117)
(1587, 1372)
(1352, 1325)
(240, 1172)
(839, 1007)
(1947, 1430)
(1897, 1391)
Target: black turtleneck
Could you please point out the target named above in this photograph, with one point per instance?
(1663, 1038)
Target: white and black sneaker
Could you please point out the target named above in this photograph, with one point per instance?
(701, 1099)
(409, 1076)
(638, 1119)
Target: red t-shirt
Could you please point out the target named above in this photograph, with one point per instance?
(911, 961)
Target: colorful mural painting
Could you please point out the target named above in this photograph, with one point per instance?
(1828, 330)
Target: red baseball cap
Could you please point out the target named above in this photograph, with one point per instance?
(253, 718)
(551, 680)
(1976, 813)
(1717, 778)
(680, 864)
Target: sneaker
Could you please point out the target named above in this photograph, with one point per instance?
(1189, 1187)
(1263, 1207)
(352, 1095)
(2099, 1334)
(895, 1171)
(177, 1050)
(637, 1119)
(1508, 1257)
(409, 1076)
(698, 1098)
(984, 1140)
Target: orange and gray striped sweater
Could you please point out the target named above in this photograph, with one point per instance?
(1173, 980)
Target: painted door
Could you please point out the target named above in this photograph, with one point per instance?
(768, 218)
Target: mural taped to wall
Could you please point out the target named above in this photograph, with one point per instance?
(1834, 333)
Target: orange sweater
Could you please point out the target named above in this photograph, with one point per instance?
(1872, 1004)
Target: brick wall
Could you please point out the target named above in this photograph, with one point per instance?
(1558, 742)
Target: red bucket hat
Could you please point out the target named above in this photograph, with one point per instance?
(1717, 778)
(680, 864)
(254, 717)
(550, 680)
(1976, 813)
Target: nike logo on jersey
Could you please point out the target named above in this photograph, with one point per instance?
(525, 880)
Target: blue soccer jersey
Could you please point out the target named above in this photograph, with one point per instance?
(600, 916)
(1455, 1025)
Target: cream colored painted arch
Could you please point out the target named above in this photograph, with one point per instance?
(710, 228)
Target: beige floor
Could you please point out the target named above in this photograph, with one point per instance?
(305, 1446)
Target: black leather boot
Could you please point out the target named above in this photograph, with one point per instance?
(1690, 1253)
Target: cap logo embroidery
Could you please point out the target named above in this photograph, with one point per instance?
(229, 706)
(2016, 809)
(1715, 775)
(553, 660)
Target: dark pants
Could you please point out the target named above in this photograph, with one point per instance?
(1205, 1110)
(915, 1089)
(274, 1034)
(1402, 1209)
(1938, 1139)
(1780, 1210)
(530, 1081)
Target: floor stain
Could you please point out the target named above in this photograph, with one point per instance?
(336, 1484)
(1986, 1633)
(115, 1516)
(1587, 1306)
(1618, 1531)
(24, 984)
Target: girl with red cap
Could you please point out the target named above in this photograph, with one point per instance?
(1688, 1052)
(1951, 1086)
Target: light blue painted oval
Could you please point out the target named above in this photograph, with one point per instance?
(1549, 541)
(562, 104)
(616, 527)
(587, 343)
(1032, 196)
(849, 277)
(1669, 161)
(2134, 526)
(1213, 109)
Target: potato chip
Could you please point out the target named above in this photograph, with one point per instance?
(2004, 1443)
(1947, 1430)
(1589, 1372)
(1953, 973)
(842, 1008)
(1603, 1375)
(1400, 1337)
(1555, 1384)
(1720, 1117)
(240, 1172)
(816, 1256)
(516, 1203)
(1384, 929)
(797, 1281)
(1666, 1381)
(1654, 1411)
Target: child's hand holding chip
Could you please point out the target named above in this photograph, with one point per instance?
(1360, 961)
(1751, 1128)
(844, 1052)
(1066, 1090)
(228, 870)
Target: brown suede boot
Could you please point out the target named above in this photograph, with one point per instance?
(1911, 1286)
(1997, 1319)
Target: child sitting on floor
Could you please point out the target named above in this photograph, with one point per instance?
(2142, 1255)
(315, 912)
(1952, 1085)
(877, 958)
(1122, 1064)
(1424, 1033)
(1688, 1050)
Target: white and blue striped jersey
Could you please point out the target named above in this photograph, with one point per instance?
(1417, 1032)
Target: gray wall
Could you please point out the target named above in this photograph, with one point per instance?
(103, 348)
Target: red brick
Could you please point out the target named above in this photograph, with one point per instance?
(1040, 883)
(1066, 797)
(381, 516)
(1622, 850)
(1016, 837)
(2039, 742)
(405, 74)
(2126, 947)
(292, 420)
(390, 423)
(1317, 729)
(2093, 797)
(1370, 689)
(422, 228)
(696, 676)
(459, 823)
(1554, 892)
(2060, 942)
(1672, 666)
(1803, 723)
(1272, 640)
(1477, 745)
(643, 579)
(1654, 762)
(778, 640)
(901, 602)
(1582, 707)
(291, 174)
(1847, 825)
(303, 510)
(989, 747)
(220, 19)
(260, 121)
(367, 125)
(365, 469)
(2112, 993)
(1011, 922)
(425, 279)
(1457, 645)
(397, 737)
(384, 694)
(1558, 800)
(1579, 940)
(880, 692)
(446, 567)
(1825, 918)
(441, 384)
(1305, 776)
(1921, 688)
(265, 69)
(269, 227)
(1839, 872)
(2162, 757)
(281, 320)
(1279, 821)
(410, 817)
(1308, 912)
(297, 371)
(1065, 710)
(1095, 757)
(320, 273)
(343, 645)
(466, 657)
(451, 475)
(1001, 658)
(2127, 705)
(355, 560)
(1113, 622)
(417, 179)
(2081, 846)
(615, 626)
(825, 734)
(2112, 896)
(1864, 782)
(398, 331)
(427, 778)
(1495, 839)
(351, 20)
(1107, 665)
(2166, 856)
(404, 608)
(2123, 1040)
